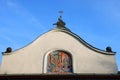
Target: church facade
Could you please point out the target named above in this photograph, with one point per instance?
(59, 51)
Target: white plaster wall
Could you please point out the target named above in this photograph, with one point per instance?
(30, 59)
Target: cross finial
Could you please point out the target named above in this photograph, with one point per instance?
(60, 23)
(61, 14)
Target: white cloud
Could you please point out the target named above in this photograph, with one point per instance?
(20, 10)
(10, 3)
(19, 28)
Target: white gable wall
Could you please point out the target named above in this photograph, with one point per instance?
(31, 59)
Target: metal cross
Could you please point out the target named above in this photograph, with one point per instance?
(60, 14)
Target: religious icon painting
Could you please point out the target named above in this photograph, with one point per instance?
(59, 62)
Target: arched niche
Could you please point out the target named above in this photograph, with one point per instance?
(59, 62)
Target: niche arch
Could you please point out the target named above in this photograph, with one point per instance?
(58, 62)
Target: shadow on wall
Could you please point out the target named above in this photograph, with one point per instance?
(118, 72)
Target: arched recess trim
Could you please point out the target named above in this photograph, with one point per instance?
(58, 62)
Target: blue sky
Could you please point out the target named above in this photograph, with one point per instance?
(95, 21)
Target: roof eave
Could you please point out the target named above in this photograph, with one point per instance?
(66, 30)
